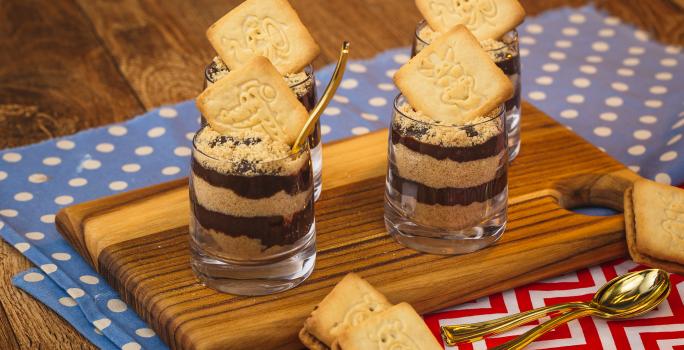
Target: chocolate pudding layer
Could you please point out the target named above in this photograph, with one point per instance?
(444, 175)
(504, 53)
(302, 84)
(249, 197)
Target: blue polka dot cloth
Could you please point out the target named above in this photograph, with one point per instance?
(605, 80)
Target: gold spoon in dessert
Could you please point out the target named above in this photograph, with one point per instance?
(325, 100)
(625, 296)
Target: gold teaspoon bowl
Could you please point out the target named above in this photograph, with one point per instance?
(624, 296)
(627, 296)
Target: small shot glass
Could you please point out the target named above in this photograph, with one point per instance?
(252, 225)
(446, 186)
(303, 84)
(505, 52)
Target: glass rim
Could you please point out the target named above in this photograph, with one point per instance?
(423, 23)
(501, 111)
(304, 149)
(308, 70)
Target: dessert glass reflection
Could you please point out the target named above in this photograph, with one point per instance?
(505, 52)
(446, 186)
(252, 223)
(303, 84)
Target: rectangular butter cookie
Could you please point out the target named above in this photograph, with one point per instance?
(486, 19)
(453, 80)
(269, 28)
(654, 222)
(254, 97)
(349, 303)
(399, 327)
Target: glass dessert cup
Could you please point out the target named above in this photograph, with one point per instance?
(505, 52)
(446, 187)
(304, 86)
(252, 224)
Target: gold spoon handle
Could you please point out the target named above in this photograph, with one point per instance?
(328, 94)
(454, 334)
(536, 332)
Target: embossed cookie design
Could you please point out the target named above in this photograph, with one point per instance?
(486, 19)
(351, 302)
(269, 28)
(453, 80)
(399, 327)
(254, 97)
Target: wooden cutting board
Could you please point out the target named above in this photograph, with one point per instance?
(139, 241)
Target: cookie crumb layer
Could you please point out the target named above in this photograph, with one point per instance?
(424, 129)
(245, 152)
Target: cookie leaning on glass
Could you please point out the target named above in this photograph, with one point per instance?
(654, 225)
(255, 98)
(453, 80)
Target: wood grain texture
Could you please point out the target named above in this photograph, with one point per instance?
(161, 46)
(53, 72)
(39, 101)
(151, 270)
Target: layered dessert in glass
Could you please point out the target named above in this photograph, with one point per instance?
(446, 185)
(493, 23)
(446, 180)
(252, 206)
(252, 224)
(269, 28)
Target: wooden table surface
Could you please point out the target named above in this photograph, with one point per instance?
(68, 65)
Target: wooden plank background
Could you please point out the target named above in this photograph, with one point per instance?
(67, 65)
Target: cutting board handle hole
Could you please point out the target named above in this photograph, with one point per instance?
(592, 210)
(604, 191)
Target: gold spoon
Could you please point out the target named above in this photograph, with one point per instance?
(624, 296)
(327, 97)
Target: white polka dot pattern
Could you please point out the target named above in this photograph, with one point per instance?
(145, 332)
(611, 84)
(33, 277)
(75, 292)
(47, 218)
(131, 346)
(51, 175)
(67, 301)
(48, 268)
(102, 323)
(599, 77)
(116, 305)
(35, 236)
(65, 144)
(89, 279)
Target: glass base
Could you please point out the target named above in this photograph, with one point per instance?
(317, 162)
(435, 240)
(260, 278)
(513, 129)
